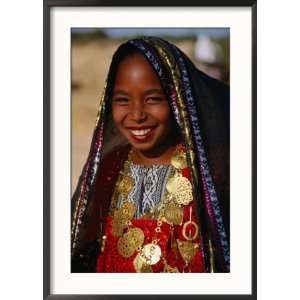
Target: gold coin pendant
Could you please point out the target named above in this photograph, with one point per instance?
(138, 263)
(117, 224)
(125, 185)
(173, 214)
(151, 254)
(170, 185)
(182, 190)
(187, 250)
(125, 247)
(135, 236)
(178, 160)
(127, 211)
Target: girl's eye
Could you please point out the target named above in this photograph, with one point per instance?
(154, 99)
(120, 100)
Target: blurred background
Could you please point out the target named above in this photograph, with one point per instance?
(91, 53)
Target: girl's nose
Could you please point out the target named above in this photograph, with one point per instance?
(138, 112)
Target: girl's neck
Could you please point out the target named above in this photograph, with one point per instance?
(159, 157)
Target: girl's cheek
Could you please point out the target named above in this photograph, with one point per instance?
(119, 112)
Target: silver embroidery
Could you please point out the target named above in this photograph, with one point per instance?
(149, 188)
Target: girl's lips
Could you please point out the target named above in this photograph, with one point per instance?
(141, 135)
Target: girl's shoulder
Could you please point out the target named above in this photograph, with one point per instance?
(111, 163)
(116, 155)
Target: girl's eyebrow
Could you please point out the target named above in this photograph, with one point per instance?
(147, 92)
(154, 91)
(120, 92)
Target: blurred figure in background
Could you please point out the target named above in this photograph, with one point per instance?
(210, 58)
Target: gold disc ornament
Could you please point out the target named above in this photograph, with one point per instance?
(140, 265)
(170, 185)
(178, 160)
(182, 190)
(151, 254)
(125, 185)
(121, 217)
(130, 241)
(118, 224)
(127, 211)
(125, 247)
(173, 214)
(136, 236)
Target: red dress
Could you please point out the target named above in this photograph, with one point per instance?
(169, 237)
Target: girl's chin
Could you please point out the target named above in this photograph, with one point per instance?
(142, 147)
(149, 149)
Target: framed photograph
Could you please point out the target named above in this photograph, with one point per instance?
(150, 149)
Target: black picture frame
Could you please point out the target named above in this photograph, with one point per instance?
(48, 4)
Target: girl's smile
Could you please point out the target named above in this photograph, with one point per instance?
(142, 135)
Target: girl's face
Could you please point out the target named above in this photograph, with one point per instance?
(140, 107)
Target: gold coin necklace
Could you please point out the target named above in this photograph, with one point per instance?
(131, 239)
(179, 190)
(150, 254)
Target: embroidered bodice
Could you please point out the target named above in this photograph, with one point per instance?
(149, 187)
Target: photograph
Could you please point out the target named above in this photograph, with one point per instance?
(150, 150)
(151, 114)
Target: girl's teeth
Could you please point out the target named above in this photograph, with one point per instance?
(140, 132)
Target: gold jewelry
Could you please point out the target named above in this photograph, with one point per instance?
(178, 160)
(102, 243)
(179, 194)
(140, 266)
(127, 210)
(125, 186)
(138, 263)
(122, 217)
(169, 269)
(136, 236)
(151, 253)
(130, 242)
(184, 229)
(179, 186)
(117, 224)
(187, 250)
(146, 269)
(170, 185)
(182, 190)
(173, 214)
(189, 237)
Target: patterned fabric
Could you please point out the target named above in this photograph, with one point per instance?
(211, 199)
(149, 187)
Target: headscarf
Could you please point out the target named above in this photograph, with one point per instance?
(200, 107)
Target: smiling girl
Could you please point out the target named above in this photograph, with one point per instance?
(141, 111)
(157, 201)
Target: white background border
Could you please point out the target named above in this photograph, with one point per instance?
(238, 281)
(278, 110)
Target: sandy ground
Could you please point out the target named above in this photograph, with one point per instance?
(90, 63)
